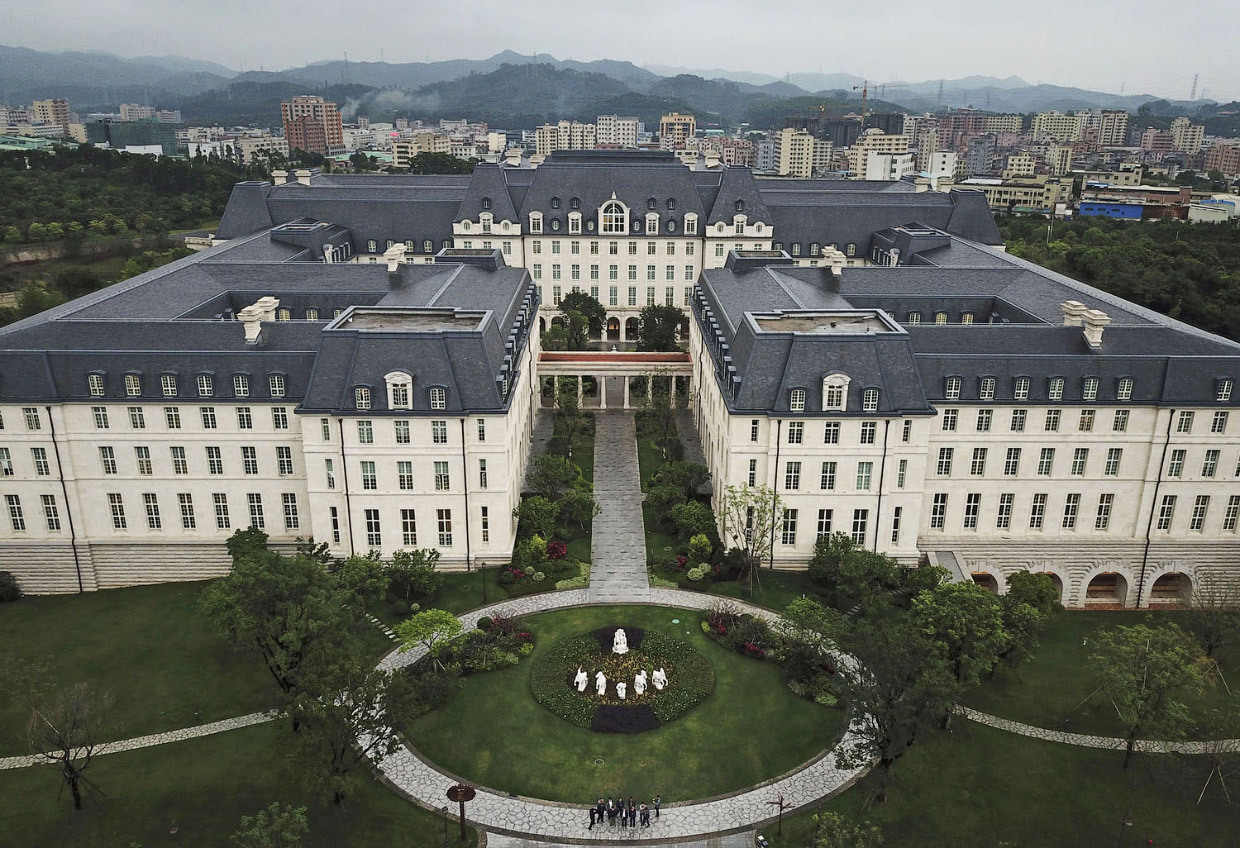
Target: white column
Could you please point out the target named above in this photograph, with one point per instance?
(580, 388)
(602, 392)
(625, 378)
(649, 388)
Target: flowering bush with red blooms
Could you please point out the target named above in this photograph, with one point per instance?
(681, 562)
(557, 550)
(754, 651)
(525, 636)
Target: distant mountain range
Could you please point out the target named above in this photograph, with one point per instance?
(510, 89)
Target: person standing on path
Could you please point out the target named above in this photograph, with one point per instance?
(658, 799)
(611, 813)
(632, 812)
(645, 816)
(593, 818)
(600, 810)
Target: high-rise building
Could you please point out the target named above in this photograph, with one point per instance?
(675, 129)
(799, 154)
(313, 124)
(51, 112)
(1056, 126)
(566, 135)
(1225, 158)
(1186, 136)
(873, 141)
(617, 130)
(1113, 128)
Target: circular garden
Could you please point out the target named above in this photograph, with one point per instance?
(725, 721)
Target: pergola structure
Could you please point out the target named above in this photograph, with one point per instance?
(623, 365)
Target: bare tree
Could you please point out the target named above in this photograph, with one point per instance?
(749, 517)
(66, 729)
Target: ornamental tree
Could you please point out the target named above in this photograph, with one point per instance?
(1146, 672)
(965, 623)
(432, 629)
(588, 308)
(749, 514)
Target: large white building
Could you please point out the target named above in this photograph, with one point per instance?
(359, 362)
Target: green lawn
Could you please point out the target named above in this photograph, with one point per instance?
(147, 645)
(751, 729)
(201, 788)
(649, 458)
(980, 786)
(1052, 689)
(776, 590)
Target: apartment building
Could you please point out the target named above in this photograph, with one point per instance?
(313, 124)
(1056, 126)
(797, 153)
(566, 135)
(675, 129)
(617, 131)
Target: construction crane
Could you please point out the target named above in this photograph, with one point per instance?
(865, 98)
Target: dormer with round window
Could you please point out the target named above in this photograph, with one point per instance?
(399, 390)
(835, 392)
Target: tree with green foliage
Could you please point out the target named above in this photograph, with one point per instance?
(965, 622)
(67, 726)
(901, 683)
(692, 519)
(852, 575)
(577, 506)
(536, 515)
(749, 516)
(431, 629)
(1036, 590)
(569, 415)
(834, 830)
(441, 163)
(347, 711)
(277, 826)
(412, 573)
(658, 327)
(361, 580)
(285, 608)
(1145, 673)
(685, 477)
(1213, 616)
(1028, 605)
(551, 476)
(588, 308)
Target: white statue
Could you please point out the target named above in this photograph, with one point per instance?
(639, 683)
(621, 688)
(620, 644)
(600, 684)
(581, 680)
(659, 679)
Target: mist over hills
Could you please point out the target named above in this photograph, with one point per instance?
(509, 89)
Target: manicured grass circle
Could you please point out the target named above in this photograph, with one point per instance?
(691, 680)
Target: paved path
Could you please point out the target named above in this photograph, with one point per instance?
(425, 783)
(618, 548)
(1110, 743)
(744, 839)
(156, 738)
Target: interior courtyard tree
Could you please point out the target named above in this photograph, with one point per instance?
(568, 413)
(588, 308)
(431, 629)
(1145, 673)
(658, 328)
(750, 515)
(966, 624)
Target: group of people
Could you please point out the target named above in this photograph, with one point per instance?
(629, 816)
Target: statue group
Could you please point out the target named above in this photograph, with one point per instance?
(620, 645)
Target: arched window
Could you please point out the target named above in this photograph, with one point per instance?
(312, 314)
(371, 246)
(284, 314)
(835, 392)
(940, 317)
(133, 385)
(466, 225)
(966, 317)
(95, 382)
(613, 218)
(851, 250)
(914, 318)
(813, 248)
(399, 389)
(757, 227)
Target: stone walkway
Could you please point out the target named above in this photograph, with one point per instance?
(156, 738)
(1109, 743)
(618, 548)
(744, 839)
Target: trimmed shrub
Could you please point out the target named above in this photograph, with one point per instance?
(694, 574)
(539, 577)
(484, 623)
(9, 589)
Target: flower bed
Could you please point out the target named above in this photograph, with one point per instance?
(737, 631)
(690, 680)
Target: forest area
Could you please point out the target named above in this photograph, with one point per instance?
(1190, 272)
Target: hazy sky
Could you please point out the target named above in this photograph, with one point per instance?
(1148, 46)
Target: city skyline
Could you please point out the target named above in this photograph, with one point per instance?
(1081, 46)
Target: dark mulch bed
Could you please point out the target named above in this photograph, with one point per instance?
(606, 636)
(636, 719)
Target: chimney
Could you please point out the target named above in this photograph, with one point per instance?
(1073, 313)
(512, 157)
(279, 177)
(304, 175)
(253, 316)
(1095, 322)
(394, 255)
(835, 260)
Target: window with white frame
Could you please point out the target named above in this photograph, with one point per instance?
(1222, 390)
(1071, 507)
(365, 432)
(399, 389)
(869, 400)
(439, 398)
(133, 385)
(949, 420)
(444, 518)
(361, 397)
(938, 511)
(986, 389)
(1123, 389)
(1166, 512)
(168, 384)
(944, 466)
(951, 388)
(827, 481)
(292, 520)
(241, 385)
(1054, 389)
(835, 392)
(865, 473)
(408, 527)
(94, 383)
(796, 400)
(1020, 388)
(206, 385)
(1119, 423)
(1185, 422)
(1003, 518)
(1089, 389)
(1037, 511)
(1102, 520)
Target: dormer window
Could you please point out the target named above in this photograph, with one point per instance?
(869, 400)
(241, 385)
(671, 204)
(1222, 390)
(95, 383)
(671, 225)
(986, 389)
(535, 222)
(652, 224)
(555, 203)
(466, 226)
(399, 389)
(757, 227)
(133, 385)
(740, 206)
(835, 392)
(691, 225)
(813, 248)
(439, 398)
(1054, 389)
(940, 318)
(283, 314)
(312, 314)
(168, 384)
(555, 225)
(796, 400)
(719, 228)
(951, 388)
(1020, 388)
(966, 317)
(1089, 389)
(575, 203)
(652, 204)
(206, 386)
(486, 220)
(372, 246)
(486, 203)
(850, 250)
(613, 218)
(361, 397)
(796, 248)
(914, 318)
(574, 223)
